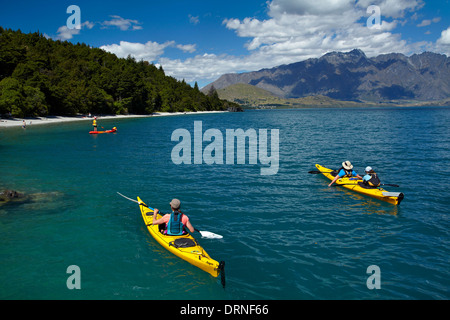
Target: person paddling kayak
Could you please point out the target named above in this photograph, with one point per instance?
(371, 178)
(175, 221)
(345, 171)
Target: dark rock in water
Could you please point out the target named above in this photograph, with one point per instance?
(13, 197)
(235, 109)
(7, 195)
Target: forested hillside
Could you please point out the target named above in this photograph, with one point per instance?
(40, 76)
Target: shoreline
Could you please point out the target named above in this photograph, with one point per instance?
(18, 122)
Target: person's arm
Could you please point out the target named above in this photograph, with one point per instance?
(334, 180)
(190, 227)
(157, 221)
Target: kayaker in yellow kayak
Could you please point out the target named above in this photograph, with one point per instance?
(175, 221)
(94, 123)
(371, 178)
(345, 171)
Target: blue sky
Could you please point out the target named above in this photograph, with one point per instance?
(199, 40)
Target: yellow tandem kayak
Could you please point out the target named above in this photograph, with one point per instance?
(184, 246)
(356, 185)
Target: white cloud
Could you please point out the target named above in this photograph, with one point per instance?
(295, 7)
(149, 51)
(193, 20)
(64, 33)
(88, 24)
(425, 23)
(299, 30)
(294, 31)
(187, 47)
(445, 37)
(393, 8)
(121, 23)
(208, 66)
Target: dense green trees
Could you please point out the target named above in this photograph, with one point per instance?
(39, 76)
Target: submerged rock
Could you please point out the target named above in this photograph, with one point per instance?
(8, 195)
(16, 197)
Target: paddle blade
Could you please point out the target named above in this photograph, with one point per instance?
(390, 185)
(210, 235)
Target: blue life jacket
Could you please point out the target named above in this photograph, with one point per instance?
(175, 226)
(348, 173)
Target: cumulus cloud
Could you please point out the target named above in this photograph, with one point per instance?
(294, 31)
(295, 7)
(445, 37)
(121, 23)
(64, 33)
(427, 22)
(298, 30)
(187, 47)
(208, 66)
(302, 29)
(149, 51)
(393, 8)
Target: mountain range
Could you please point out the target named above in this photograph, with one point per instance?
(352, 76)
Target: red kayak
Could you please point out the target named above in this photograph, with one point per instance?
(107, 131)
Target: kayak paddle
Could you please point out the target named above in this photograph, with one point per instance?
(383, 184)
(318, 172)
(205, 234)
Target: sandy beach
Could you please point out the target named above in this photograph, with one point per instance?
(18, 122)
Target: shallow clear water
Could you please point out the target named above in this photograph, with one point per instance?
(286, 236)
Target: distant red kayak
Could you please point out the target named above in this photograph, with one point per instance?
(107, 131)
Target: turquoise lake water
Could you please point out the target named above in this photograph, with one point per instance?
(285, 236)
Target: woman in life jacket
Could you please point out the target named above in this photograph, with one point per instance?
(345, 171)
(174, 222)
(371, 178)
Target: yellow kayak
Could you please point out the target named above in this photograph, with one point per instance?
(184, 246)
(357, 186)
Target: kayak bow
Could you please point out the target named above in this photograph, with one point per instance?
(356, 185)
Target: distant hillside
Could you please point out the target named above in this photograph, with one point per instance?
(249, 96)
(245, 94)
(253, 97)
(39, 76)
(352, 76)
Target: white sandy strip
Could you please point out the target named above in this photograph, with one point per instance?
(16, 122)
